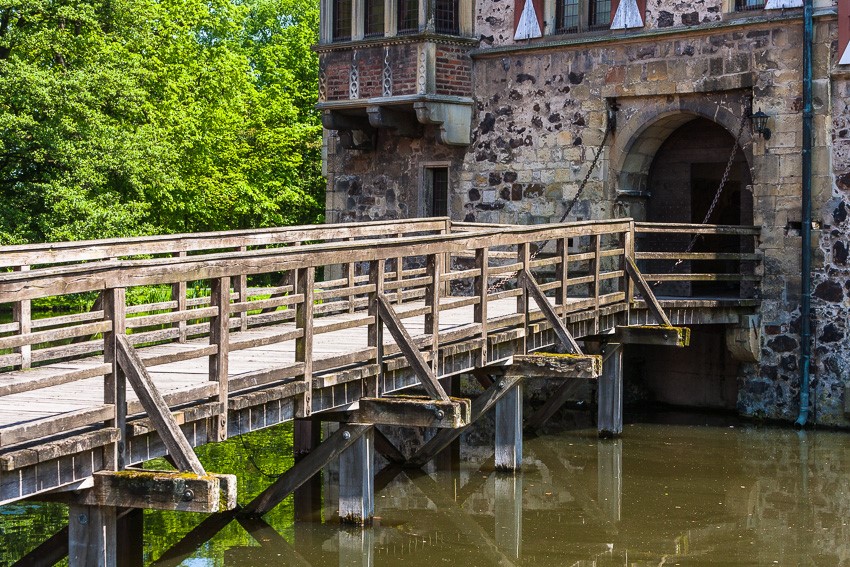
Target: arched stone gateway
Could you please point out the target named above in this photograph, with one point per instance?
(668, 159)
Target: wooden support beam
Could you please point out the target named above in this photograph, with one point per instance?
(218, 362)
(92, 536)
(610, 405)
(158, 412)
(357, 481)
(305, 469)
(509, 430)
(480, 406)
(646, 291)
(387, 449)
(48, 553)
(530, 285)
(558, 366)
(306, 436)
(408, 348)
(553, 403)
(409, 411)
(304, 284)
(653, 335)
(162, 490)
(115, 383)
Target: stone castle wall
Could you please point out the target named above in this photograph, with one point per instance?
(540, 116)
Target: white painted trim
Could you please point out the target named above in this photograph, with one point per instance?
(845, 59)
(628, 16)
(528, 26)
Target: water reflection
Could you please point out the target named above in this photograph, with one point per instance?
(664, 494)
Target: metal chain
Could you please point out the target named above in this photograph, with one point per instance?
(716, 199)
(504, 279)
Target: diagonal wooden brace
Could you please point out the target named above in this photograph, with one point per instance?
(304, 469)
(405, 343)
(530, 285)
(646, 292)
(158, 412)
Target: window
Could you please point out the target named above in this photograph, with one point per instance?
(745, 5)
(437, 180)
(408, 16)
(574, 16)
(341, 20)
(600, 14)
(446, 17)
(374, 25)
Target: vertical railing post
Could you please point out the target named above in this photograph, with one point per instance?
(432, 301)
(523, 257)
(562, 273)
(219, 336)
(178, 294)
(304, 283)
(22, 315)
(242, 290)
(399, 272)
(351, 275)
(481, 282)
(628, 252)
(114, 384)
(376, 328)
(597, 260)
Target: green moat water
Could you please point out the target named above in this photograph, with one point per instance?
(664, 494)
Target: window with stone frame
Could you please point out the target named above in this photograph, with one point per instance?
(437, 191)
(374, 16)
(576, 16)
(341, 16)
(446, 17)
(408, 16)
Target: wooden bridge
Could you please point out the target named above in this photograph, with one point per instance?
(219, 334)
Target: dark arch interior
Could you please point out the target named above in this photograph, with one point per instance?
(683, 180)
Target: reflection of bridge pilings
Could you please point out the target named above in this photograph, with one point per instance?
(610, 478)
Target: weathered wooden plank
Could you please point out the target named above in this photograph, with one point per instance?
(545, 365)
(162, 490)
(610, 392)
(409, 411)
(37, 379)
(653, 335)
(508, 449)
(92, 536)
(53, 450)
(158, 412)
(49, 426)
(357, 480)
(265, 376)
(218, 362)
(289, 390)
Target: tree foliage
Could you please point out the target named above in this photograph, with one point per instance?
(126, 117)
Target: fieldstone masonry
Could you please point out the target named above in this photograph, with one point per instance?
(539, 119)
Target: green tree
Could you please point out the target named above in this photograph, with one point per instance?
(123, 117)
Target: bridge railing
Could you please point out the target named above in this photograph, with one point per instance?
(427, 274)
(699, 260)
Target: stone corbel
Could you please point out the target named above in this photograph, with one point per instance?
(454, 120)
(744, 340)
(355, 132)
(402, 122)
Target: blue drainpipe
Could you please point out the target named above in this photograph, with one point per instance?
(806, 221)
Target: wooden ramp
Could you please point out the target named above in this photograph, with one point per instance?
(254, 328)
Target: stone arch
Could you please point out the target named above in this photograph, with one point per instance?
(644, 125)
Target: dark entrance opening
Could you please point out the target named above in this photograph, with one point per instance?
(683, 182)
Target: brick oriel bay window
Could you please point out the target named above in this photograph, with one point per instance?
(354, 20)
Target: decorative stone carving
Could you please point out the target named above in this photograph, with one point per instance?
(323, 81)
(422, 72)
(387, 80)
(354, 79)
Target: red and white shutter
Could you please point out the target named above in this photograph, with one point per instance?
(844, 32)
(627, 14)
(528, 19)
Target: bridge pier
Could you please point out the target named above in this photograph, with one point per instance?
(307, 498)
(509, 429)
(610, 391)
(92, 536)
(357, 480)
